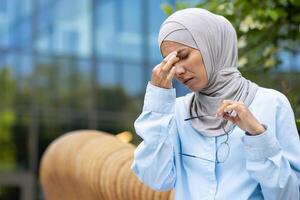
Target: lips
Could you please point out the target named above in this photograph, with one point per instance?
(186, 81)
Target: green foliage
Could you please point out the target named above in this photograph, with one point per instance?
(7, 120)
(167, 8)
(63, 98)
(112, 99)
(286, 82)
(60, 86)
(7, 87)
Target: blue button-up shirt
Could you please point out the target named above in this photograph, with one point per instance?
(266, 166)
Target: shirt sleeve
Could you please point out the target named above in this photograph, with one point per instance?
(154, 158)
(273, 156)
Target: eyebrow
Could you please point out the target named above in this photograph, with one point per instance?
(180, 50)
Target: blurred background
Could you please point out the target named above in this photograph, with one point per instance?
(84, 64)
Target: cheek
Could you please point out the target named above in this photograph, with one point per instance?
(196, 69)
(200, 73)
(190, 66)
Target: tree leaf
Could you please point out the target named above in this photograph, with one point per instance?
(167, 8)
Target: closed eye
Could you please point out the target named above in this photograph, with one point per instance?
(183, 54)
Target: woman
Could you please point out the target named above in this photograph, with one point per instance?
(228, 138)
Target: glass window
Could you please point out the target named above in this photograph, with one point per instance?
(26, 7)
(3, 32)
(105, 30)
(156, 19)
(55, 82)
(3, 7)
(26, 65)
(45, 2)
(80, 84)
(108, 74)
(65, 28)
(129, 33)
(15, 24)
(119, 29)
(10, 61)
(84, 68)
(132, 79)
(23, 71)
(45, 27)
(26, 36)
(63, 83)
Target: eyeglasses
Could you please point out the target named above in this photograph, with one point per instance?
(223, 150)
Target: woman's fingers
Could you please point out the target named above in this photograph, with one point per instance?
(232, 109)
(239, 114)
(171, 74)
(163, 73)
(165, 70)
(229, 106)
(232, 119)
(220, 111)
(165, 60)
(171, 61)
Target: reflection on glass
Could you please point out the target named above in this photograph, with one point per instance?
(157, 17)
(105, 30)
(132, 79)
(119, 33)
(107, 74)
(65, 31)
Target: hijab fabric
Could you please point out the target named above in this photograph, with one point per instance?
(214, 36)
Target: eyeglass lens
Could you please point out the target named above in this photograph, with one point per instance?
(222, 151)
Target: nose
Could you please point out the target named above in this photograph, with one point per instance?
(179, 70)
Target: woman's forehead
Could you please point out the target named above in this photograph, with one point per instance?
(169, 46)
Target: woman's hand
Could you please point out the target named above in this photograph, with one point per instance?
(163, 73)
(242, 117)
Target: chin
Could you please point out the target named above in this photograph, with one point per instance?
(195, 89)
(191, 88)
